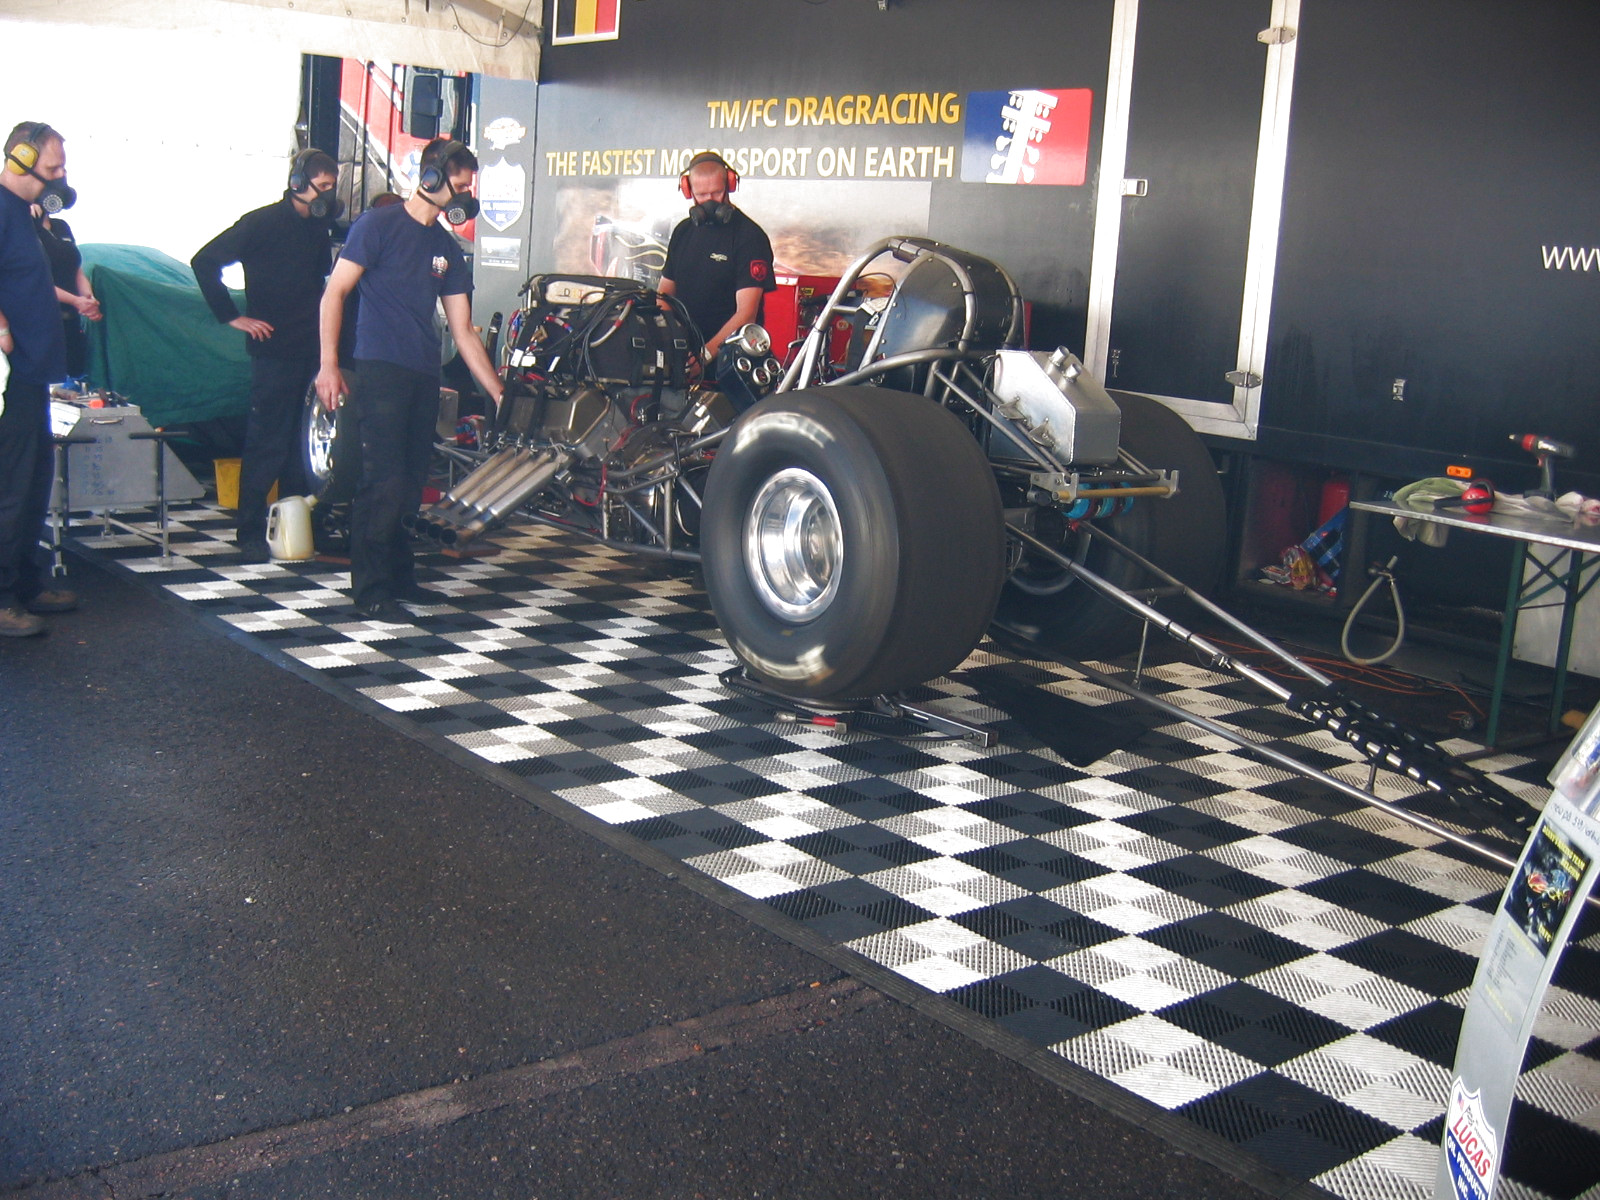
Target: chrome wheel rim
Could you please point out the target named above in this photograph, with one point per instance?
(320, 433)
(793, 546)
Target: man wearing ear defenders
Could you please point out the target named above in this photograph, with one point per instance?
(35, 168)
(286, 249)
(403, 263)
(719, 261)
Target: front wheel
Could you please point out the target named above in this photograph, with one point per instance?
(329, 453)
(852, 542)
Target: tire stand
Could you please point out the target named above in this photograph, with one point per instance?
(835, 718)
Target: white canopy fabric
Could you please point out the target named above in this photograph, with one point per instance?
(484, 36)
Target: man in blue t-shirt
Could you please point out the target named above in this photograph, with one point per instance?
(400, 261)
(31, 339)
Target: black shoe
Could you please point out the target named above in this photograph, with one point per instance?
(253, 552)
(51, 600)
(415, 593)
(15, 621)
(384, 610)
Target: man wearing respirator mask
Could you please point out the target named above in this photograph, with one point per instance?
(285, 249)
(34, 349)
(402, 262)
(719, 261)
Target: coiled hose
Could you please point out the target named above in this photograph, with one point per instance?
(1380, 576)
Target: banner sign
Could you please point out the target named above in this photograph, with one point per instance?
(1027, 136)
(1552, 881)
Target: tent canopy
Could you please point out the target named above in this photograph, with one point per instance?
(488, 37)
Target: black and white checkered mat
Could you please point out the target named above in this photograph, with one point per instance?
(1282, 966)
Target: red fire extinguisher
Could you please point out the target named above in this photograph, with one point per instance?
(1335, 496)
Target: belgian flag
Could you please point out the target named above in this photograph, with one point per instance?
(583, 20)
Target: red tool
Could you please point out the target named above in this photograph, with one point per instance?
(1544, 449)
(1534, 444)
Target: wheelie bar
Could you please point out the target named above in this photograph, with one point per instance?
(1385, 743)
(1381, 741)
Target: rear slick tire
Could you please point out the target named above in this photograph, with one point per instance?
(852, 542)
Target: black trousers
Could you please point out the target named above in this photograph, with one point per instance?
(272, 438)
(395, 411)
(26, 470)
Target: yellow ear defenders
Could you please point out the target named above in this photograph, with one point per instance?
(22, 158)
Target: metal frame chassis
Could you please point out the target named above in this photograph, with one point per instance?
(801, 373)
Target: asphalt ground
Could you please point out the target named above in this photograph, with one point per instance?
(256, 942)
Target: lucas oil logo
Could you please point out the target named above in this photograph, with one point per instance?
(441, 264)
(1027, 136)
(1470, 1145)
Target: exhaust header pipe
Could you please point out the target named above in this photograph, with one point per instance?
(487, 496)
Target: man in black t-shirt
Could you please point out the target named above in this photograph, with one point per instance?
(286, 250)
(719, 261)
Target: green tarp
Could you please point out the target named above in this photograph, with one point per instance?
(159, 345)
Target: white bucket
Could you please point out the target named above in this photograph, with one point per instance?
(289, 529)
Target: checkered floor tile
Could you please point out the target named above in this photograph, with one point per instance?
(1234, 943)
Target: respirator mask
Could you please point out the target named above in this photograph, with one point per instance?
(711, 212)
(325, 206)
(23, 159)
(460, 208)
(56, 196)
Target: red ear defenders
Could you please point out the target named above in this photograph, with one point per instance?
(1477, 498)
(687, 188)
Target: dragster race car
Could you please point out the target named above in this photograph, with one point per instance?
(851, 521)
(861, 525)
